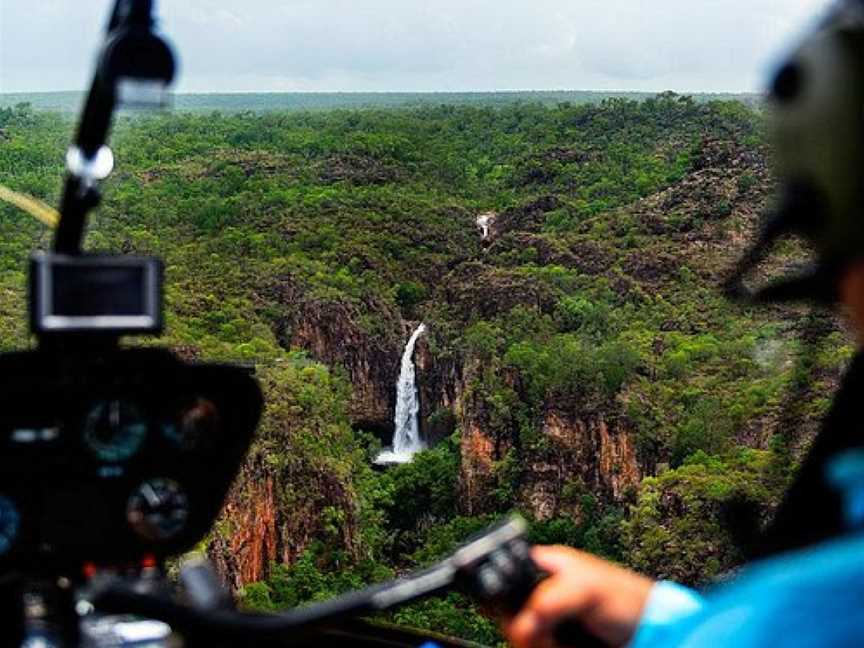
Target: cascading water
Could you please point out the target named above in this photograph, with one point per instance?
(406, 438)
(484, 224)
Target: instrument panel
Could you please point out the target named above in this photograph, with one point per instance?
(113, 456)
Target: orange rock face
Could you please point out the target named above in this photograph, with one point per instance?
(586, 452)
(254, 545)
(269, 518)
(478, 459)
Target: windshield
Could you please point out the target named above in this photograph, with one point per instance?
(473, 254)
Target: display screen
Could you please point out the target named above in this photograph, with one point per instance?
(82, 291)
(95, 293)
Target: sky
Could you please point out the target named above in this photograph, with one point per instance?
(422, 45)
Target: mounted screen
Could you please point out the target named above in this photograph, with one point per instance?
(109, 294)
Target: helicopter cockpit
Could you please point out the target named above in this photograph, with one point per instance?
(116, 459)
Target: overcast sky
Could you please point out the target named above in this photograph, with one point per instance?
(421, 45)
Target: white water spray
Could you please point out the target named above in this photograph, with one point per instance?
(406, 438)
(484, 224)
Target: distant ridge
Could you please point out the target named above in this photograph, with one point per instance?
(292, 101)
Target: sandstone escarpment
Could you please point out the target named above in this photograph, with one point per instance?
(477, 291)
(274, 513)
(712, 211)
(479, 456)
(247, 540)
(582, 453)
(487, 436)
(548, 453)
(577, 453)
(525, 218)
(441, 388)
(332, 332)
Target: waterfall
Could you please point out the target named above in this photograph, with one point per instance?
(406, 438)
(484, 224)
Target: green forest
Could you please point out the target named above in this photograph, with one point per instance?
(581, 365)
(72, 102)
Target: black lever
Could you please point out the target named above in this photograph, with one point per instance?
(506, 578)
(570, 632)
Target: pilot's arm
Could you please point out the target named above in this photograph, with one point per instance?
(810, 598)
(612, 603)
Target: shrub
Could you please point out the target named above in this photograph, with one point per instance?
(452, 615)
(569, 366)
(309, 578)
(409, 294)
(707, 428)
(679, 529)
(746, 182)
(578, 314)
(483, 338)
(422, 490)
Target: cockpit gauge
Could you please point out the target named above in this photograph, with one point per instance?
(196, 425)
(158, 509)
(114, 430)
(10, 524)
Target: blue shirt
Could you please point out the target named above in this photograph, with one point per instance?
(809, 598)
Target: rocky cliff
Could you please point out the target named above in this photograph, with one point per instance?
(586, 454)
(299, 483)
(336, 333)
(268, 519)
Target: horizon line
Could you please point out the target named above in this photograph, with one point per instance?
(414, 92)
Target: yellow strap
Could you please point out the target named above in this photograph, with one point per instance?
(36, 208)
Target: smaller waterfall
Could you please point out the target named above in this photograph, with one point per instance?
(406, 438)
(484, 224)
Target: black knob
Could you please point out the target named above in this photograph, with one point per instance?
(570, 632)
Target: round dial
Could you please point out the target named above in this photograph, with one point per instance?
(10, 523)
(158, 509)
(114, 430)
(196, 427)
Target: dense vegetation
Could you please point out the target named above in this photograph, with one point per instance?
(285, 101)
(597, 294)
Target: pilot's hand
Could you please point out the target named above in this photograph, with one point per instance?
(605, 599)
